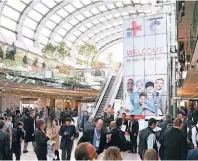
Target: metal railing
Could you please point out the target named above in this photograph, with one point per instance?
(116, 86)
(102, 93)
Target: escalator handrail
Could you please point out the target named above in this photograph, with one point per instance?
(116, 86)
(103, 93)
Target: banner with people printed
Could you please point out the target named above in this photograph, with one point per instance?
(146, 66)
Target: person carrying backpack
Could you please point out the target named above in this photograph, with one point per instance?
(195, 135)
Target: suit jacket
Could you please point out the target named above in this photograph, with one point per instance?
(88, 137)
(29, 127)
(41, 143)
(4, 146)
(134, 127)
(89, 126)
(126, 123)
(115, 138)
(65, 139)
(184, 128)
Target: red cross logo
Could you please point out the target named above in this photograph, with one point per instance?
(136, 28)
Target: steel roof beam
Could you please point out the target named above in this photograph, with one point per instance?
(2, 5)
(113, 42)
(102, 14)
(22, 18)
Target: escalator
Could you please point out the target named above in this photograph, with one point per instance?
(104, 102)
(120, 91)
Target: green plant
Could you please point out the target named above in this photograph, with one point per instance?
(59, 51)
(89, 54)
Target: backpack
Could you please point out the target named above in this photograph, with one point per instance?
(14, 135)
(161, 133)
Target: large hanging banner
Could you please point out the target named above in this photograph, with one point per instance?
(146, 66)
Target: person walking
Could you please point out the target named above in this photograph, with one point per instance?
(68, 133)
(55, 137)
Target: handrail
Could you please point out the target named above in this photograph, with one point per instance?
(103, 93)
(116, 86)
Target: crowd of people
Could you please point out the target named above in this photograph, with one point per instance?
(177, 139)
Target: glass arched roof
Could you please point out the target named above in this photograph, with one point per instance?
(38, 22)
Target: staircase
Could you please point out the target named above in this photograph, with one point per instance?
(120, 91)
(105, 98)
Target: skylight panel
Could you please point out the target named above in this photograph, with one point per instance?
(55, 18)
(80, 17)
(58, 38)
(62, 32)
(95, 22)
(25, 1)
(67, 26)
(109, 17)
(35, 15)
(73, 21)
(127, 2)
(95, 11)
(86, 2)
(90, 35)
(124, 14)
(30, 23)
(16, 4)
(68, 43)
(9, 12)
(8, 23)
(116, 15)
(43, 39)
(41, 8)
(89, 25)
(62, 13)
(83, 29)
(85, 38)
(119, 4)
(102, 8)
(72, 38)
(69, 8)
(87, 14)
(110, 6)
(49, 3)
(96, 31)
(27, 41)
(77, 33)
(50, 24)
(102, 19)
(27, 32)
(77, 4)
(45, 31)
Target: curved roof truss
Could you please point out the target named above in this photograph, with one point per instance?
(39, 22)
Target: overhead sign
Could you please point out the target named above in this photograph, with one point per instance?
(146, 66)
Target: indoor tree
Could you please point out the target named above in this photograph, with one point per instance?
(89, 53)
(59, 51)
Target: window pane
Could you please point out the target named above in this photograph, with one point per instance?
(86, 2)
(119, 4)
(67, 26)
(41, 8)
(27, 41)
(68, 43)
(73, 21)
(85, 38)
(72, 38)
(8, 23)
(55, 18)
(95, 22)
(49, 3)
(83, 29)
(35, 15)
(77, 4)
(58, 38)
(89, 25)
(45, 31)
(69, 8)
(87, 14)
(110, 6)
(77, 33)
(50, 24)
(30, 23)
(7, 11)
(16, 4)
(27, 32)
(116, 15)
(62, 32)
(8, 33)
(26, 1)
(62, 13)
(95, 11)
(109, 17)
(80, 17)
(102, 19)
(43, 39)
(102, 8)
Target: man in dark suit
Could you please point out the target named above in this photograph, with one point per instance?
(4, 143)
(175, 144)
(95, 136)
(133, 129)
(185, 123)
(124, 121)
(68, 133)
(29, 127)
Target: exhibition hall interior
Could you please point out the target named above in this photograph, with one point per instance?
(98, 80)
